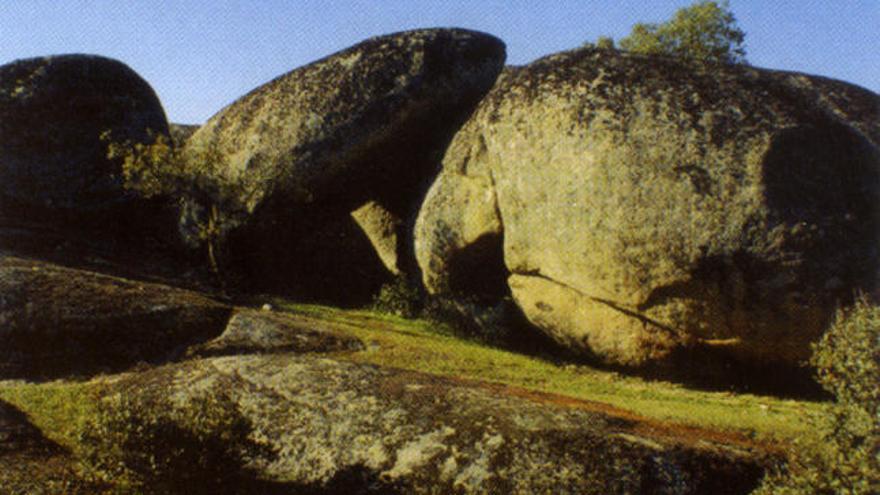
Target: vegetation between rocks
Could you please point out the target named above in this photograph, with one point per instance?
(437, 348)
(162, 169)
(845, 455)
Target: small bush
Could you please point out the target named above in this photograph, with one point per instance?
(399, 297)
(210, 205)
(846, 456)
(144, 445)
(470, 318)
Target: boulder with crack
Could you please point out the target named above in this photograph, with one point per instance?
(638, 206)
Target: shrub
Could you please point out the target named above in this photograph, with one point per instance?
(399, 297)
(471, 318)
(145, 445)
(161, 169)
(846, 456)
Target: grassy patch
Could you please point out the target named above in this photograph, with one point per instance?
(59, 408)
(427, 347)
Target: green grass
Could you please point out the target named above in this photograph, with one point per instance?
(59, 408)
(429, 347)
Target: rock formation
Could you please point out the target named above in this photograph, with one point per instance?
(369, 123)
(58, 322)
(339, 427)
(53, 163)
(631, 206)
(646, 206)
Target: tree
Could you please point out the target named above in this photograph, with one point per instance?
(161, 169)
(706, 31)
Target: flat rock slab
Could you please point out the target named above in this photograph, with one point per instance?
(251, 331)
(340, 427)
(57, 321)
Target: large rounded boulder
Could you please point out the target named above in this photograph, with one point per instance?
(53, 161)
(638, 206)
(369, 123)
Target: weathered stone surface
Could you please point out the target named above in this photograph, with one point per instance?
(53, 163)
(646, 206)
(251, 331)
(381, 227)
(369, 123)
(459, 215)
(404, 432)
(181, 132)
(57, 321)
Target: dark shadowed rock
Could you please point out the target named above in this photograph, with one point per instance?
(252, 331)
(53, 164)
(646, 206)
(369, 123)
(57, 321)
(340, 427)
(331, 260)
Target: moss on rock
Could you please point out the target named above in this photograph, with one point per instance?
(647, 206)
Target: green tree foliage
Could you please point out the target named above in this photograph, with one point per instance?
(706, 31)
(602, 43)
(845, 459)
(159, 168)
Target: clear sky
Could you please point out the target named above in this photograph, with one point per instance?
(200, 55)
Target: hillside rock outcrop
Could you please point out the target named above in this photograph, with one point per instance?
(369, 123)
(53, 163)
(644, 206)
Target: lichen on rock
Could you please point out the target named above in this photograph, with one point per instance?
(646, 206)
(367, 124)
(407, 432)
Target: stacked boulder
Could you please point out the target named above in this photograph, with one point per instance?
(299, 154)
(637, 206)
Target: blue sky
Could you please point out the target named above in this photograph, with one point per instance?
(200, 55)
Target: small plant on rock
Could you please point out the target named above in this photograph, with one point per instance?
(158, 168)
